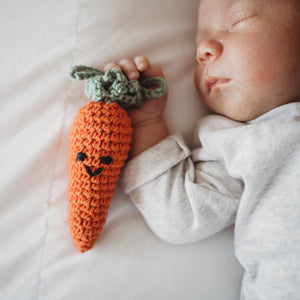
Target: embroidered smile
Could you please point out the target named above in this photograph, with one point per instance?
(103, 159)
(89, 171)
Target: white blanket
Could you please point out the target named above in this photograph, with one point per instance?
(40, 41)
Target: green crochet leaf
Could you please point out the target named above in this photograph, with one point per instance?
(113, 86)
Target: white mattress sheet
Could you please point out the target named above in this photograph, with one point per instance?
(40, 41)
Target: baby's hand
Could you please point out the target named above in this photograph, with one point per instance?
(152, 110)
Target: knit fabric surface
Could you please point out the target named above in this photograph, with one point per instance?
(113, 86)
(99, 142)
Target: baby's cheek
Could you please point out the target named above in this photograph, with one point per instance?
(197, 78)
(265, 75)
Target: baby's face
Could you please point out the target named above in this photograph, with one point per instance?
(248, 54)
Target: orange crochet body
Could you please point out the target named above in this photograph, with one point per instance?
(100, 140)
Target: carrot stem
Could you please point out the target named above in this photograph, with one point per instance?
(113, 86)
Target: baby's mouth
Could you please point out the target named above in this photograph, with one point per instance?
(211, 82)
(92, 174)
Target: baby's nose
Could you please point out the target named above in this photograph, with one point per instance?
(209, 50)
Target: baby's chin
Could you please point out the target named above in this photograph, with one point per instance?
(242, 117)
(233, 108)
(229, 102)
(244, 114)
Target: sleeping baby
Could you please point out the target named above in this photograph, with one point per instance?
(246, 168)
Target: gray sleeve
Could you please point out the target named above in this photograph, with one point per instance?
(181, 200)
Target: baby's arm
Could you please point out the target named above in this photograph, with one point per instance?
(149, 127)
(182, 199)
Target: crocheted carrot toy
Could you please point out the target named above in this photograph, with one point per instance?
(100, 140)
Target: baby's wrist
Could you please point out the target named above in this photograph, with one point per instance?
(146, 134)
(151, 122)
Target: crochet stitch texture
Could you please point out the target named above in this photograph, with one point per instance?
(99, 143)
(100, 130)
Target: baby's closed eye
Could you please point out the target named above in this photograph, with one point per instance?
(242, 20)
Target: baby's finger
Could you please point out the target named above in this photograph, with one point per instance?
(154, 71)
(112, 66)
(142, 63)
(129, 68)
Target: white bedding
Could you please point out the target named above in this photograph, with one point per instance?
(40, 41)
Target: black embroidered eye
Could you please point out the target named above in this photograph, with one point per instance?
(81, 156)
(106, 160)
